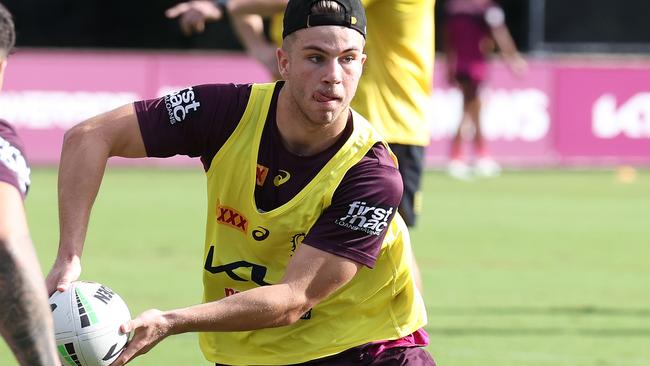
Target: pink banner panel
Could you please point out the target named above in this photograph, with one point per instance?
(179, 71)
(46, 92)
(604, 112)
(562, 111)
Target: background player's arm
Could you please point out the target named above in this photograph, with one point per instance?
(25, 320)
(311, 276)
(86, 149)
(246, 20)
(250, 31)
(260, 7)
(193, 15)
(502, 37)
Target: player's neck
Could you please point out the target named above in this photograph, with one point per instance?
(301, 136)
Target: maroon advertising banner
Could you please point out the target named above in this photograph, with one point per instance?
(584, 112)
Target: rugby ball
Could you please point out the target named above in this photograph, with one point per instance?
(87, 318)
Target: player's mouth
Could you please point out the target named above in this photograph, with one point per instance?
(325, 97)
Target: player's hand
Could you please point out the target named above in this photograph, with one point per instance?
(62, 273)
(150, 328)
(192, 15)
(518, 66)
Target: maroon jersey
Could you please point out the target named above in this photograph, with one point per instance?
(197, 122)
(13, 165)
(467, 35)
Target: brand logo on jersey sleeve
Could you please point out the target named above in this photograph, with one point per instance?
(281, 178)
(260, 174)
(364, 217)
(13, 159)
(230, 217)
(179, 104)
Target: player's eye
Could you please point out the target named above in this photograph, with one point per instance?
(315, 58)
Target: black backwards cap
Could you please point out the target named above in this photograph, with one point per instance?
(298, 15)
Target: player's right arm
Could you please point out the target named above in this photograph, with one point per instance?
(194, 122)
(86, 149)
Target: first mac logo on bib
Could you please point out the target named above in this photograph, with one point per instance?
(179, 104)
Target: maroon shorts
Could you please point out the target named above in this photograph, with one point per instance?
(473, 71)
(400, 356)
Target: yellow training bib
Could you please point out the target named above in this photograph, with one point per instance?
(245, 248)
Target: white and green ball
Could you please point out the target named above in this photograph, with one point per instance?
(87, 318)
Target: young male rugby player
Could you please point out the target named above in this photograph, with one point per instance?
(306, 260)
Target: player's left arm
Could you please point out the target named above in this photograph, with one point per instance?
(311, 276)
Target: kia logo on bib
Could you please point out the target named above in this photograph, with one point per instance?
(367, 218)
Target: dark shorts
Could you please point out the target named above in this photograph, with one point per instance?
(411, 163)
(411, 356)
(472, 71)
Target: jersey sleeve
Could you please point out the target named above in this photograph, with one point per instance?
(195, 121)
(355, 224)
(14, 168)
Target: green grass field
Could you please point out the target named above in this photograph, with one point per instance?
(544, 268)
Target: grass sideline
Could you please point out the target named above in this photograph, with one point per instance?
(533, 268)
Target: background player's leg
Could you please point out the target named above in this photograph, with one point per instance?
(484, 164)
(411, 164)
(458, 167)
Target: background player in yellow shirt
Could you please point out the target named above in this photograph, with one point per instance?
(305, 259)
(394, 91)
(25, 318)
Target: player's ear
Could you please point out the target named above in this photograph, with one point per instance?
(283, 62)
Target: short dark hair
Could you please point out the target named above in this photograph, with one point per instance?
(7, 32)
